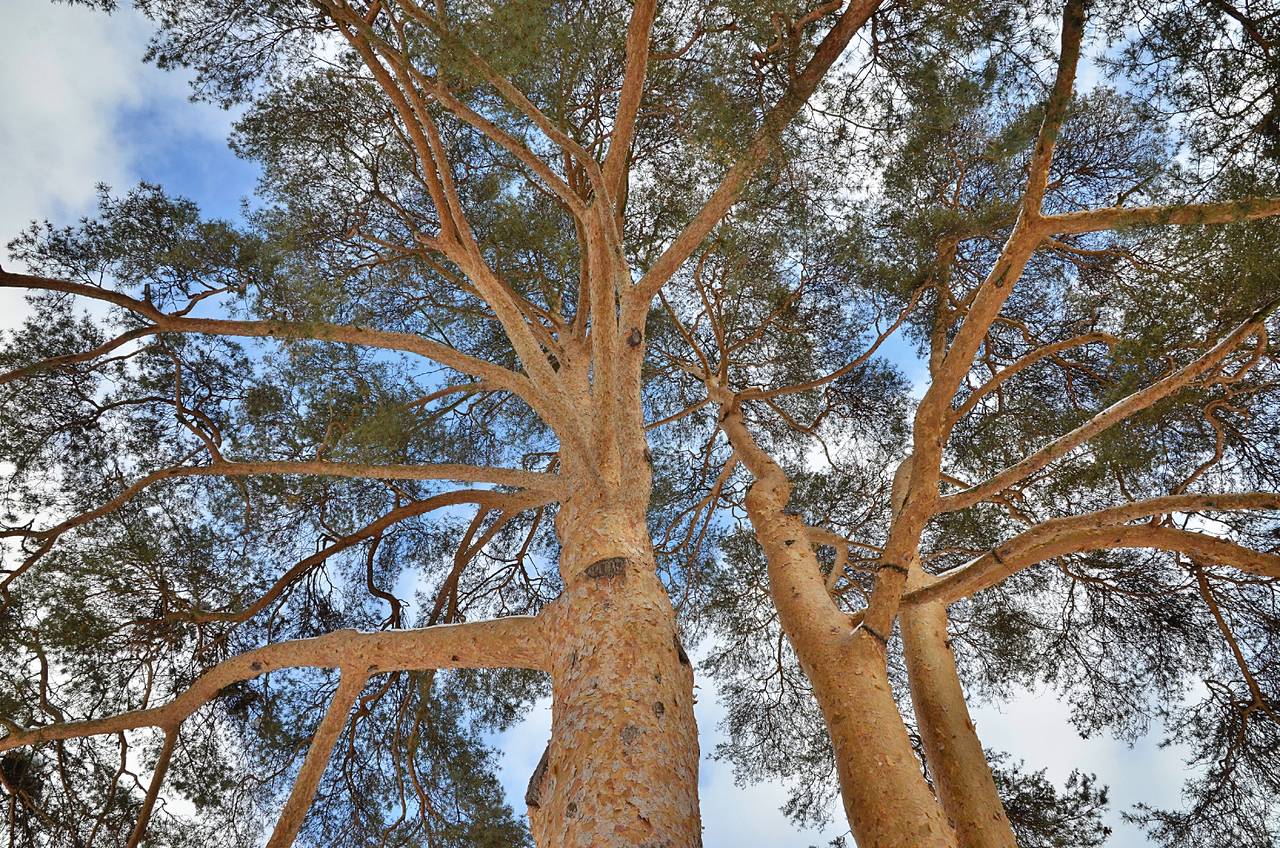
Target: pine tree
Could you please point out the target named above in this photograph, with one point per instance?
(552, 347)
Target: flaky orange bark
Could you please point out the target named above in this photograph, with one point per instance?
(961, 775)
(885, 795)
(622, 764)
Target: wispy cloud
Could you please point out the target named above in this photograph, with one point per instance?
(78, 107)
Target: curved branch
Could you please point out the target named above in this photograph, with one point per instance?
(1091, 532)
(511, 502)
(992, 293)
(759, 394)
(535, 481)
(1024, 362)
(162, 322)
(513, 642)
(726, 194)
(931, 426)
(72, 358)
(1223, 212)
(1112, 415)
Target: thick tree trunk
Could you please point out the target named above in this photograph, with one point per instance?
(622, 765)
(885, 795)
(956, 761)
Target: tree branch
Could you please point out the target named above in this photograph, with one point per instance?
(496, 375)
(308, 779)
(1099, 531)
(513, 642)
(726, 194)
(1024, 362)
(511, 503)
(624, 124)
(532, 480)
(1223, 212)
(1112, 415)
(153, 788)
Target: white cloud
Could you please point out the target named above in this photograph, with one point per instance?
(64, 75)
(69, 76)
(1036, 727)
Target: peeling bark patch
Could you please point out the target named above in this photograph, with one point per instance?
(533, 795)
(606, 568)
(658, 708)
(629, 734)
(684, 658)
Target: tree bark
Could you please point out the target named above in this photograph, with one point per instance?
(886, 798)
(961, 774)
(885, 795)
(622, 764)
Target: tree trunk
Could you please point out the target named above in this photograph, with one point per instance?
(885, 795)
(622, 764)
(961, 774)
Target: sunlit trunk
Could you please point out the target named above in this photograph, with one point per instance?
(622, 764)
(885, 795)
(956, 761)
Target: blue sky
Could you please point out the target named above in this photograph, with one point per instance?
(78, 107)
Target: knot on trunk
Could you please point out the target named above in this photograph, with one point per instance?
(605, 569)
(684, 658)
(771, 492)
(533, 795)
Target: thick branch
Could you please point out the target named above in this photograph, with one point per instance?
(308, 779)
(799, 590)
(1092, 532)
(757, 151)
(933, 418)
(994, 291)
(624, 124)
(1224, 212)
(513, 642)
(1056, 108)
(1112, 415)
(496, 375)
